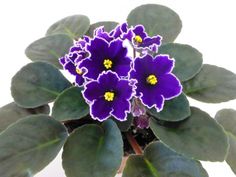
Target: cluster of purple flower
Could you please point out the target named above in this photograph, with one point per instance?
(113, 80)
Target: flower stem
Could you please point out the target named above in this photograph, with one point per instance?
(132, 141)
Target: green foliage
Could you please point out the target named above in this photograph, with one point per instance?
(227, 118)
(74, 26)
(157, 19)
(160, 161)
(11, 112)
(196, 137)
(212, 85)
(94, 151)
(29, 145)
(108, 26)
(70, 105)
(37, 84)
(49, 49)
(188, 60)
(176, 109)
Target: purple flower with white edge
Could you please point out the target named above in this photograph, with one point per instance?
(108, 96)
(142, 40)
(104, 56)
(155, 82)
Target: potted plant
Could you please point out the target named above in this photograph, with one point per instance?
(128, 100)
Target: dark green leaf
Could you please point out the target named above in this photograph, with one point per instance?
(74, 26)
(108, 26)
(188, 60)
(94, 151)
(196, 137)
(10, 113)
(157, 19)
(37, 84)
(49, 49)
(70, 105)
(227, 118)
(176, 109)
(160, 161)
(124, 126)
(212, 85)
(30, 144)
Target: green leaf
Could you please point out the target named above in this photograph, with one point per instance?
(227, 118)
(108, 26)
(196, 137)
(212, 85)
(37, 84)
(70, 105)
(49, 49)
(125, 125)
(30, 144)
(74, 26)
(94, 151)
(188, 60)
(160, 161)
(176, 109)
(11, 112)
(157, 19)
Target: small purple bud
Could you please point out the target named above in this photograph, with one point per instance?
(142, 121)
(137, 108)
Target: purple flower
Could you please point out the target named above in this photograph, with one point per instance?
(108, 96)
(155, 82)
(106, 56)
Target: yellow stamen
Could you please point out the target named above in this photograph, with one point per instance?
(107, 63)
(152, 79)
(138, 39)
(109, 96)
(78, 71)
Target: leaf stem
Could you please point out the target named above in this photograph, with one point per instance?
(134, 144)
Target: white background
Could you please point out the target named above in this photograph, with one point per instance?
(209, 26)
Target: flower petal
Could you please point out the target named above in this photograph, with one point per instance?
(93, 91)
(163, 64)
(120, 109)
(100, 109)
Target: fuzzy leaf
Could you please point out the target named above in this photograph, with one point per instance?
(176, 109)
(212, 85)
(11, 112)
(108, 26)
(74, 26)
(157, 20)
(49, 49)
(188, 60)
(29, 145)
(160, 161)
(37, 84)
(70, 105)
(93, 150)
(196, 137)
(227, 118)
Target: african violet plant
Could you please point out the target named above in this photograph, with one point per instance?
(128, 99)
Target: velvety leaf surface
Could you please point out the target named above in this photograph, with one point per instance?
(188, 60)
(70, 105)
(74, 26)
(125, 125)
(227, 118)
(108, 26)
(198, 137)
(160, 161)
(10, 113)
(157, 19)
(176, 109)
(37, 84)
(30, 144)
(212, 85)
(49, 49)
(94, 151)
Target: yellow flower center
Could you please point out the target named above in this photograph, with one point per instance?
(107, 63)
(152, 79)
(78, 71)
(109, 96)
(138, 39)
